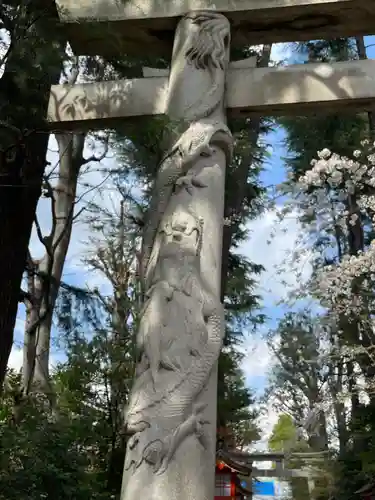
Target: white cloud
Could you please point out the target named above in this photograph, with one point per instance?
(256, 365)
(266, 422)
(258, 357)
(272, 255)
(15, 359)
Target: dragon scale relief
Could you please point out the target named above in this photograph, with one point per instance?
(182, 322)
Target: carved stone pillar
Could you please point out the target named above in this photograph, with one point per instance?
(172, 409)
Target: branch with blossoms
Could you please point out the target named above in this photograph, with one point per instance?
(334, 205)
(347, 285)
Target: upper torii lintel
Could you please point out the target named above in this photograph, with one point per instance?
(114, 27)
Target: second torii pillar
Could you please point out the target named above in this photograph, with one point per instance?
(172, 412)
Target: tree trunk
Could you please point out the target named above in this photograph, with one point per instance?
(362, 54)
(23, 153)
(48, 271)
(32, 302)
(336, 387)
(318, 438)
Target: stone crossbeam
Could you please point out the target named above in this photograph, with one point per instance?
(280, 473)
(125, 26)
(295, 89)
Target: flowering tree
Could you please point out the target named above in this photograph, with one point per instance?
(331, 194)
(334, 202)
(348, 184)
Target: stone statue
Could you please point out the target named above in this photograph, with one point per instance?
(171, 414)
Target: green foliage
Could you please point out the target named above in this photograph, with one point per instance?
(235, 401)
(284, 434)
(339, 132)
(286, 438)
(36, 42)
(93, 389)
(309, 134)
(297, 380)
(41, 457)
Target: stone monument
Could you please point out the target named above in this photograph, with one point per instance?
(171, 415)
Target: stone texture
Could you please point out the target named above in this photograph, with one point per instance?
(172, 407)
(302, 88)
(90, 104)
(120, 26)
(265, 91)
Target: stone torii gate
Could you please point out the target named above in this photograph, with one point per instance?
(172, 409)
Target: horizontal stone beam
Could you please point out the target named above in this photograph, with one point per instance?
(302, 88)
(250, 457)
(101, 105)
(140, 26)
(295, 89)
(282, 473)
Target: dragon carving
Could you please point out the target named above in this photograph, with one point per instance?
(209, 52)
(182, 322)
(178, 169)
(177, 282)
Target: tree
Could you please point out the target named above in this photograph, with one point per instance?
(99, 339)
(339, 132)
(41, 455)
(299, 376)
(32, 62)
(284, 434)
(286, 438)
(235, 401)
(44, 274)
(331, 192)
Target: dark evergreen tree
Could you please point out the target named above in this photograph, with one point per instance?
(32, 62)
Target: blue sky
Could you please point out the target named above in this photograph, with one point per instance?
(257, 360)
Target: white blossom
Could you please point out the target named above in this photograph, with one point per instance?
(338, 192)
